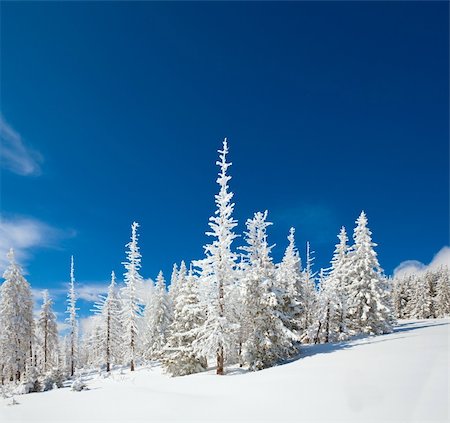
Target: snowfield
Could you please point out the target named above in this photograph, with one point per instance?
(400, 377)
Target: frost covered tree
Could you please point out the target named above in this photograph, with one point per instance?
(218, 273)
(266, 310)
(72, 321)
(109, 329)
(47, 335)
(157, 317)
(177, 279)
(401, 296)
(443, 292)
(368, 308)
(180, 358)
(308, 293)
(421, 304)
(131, 310)
(16, 323)
(332, 304)
(289, 281)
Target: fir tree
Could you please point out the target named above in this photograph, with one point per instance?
(131, 310)
(443, 293)
(109, 328)
(180, 358)
(289, 282)
(421, 305)
(72, 320)
(308, 292)
(267, 338)
(157, 317)
(368, 310)
(47, 335)
(217, 273)
(16, 323)
(332, 320)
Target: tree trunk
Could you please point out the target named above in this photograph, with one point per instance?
(220, 360)
(327, 326)
(316, 339)
(241, 363)
(108, 341)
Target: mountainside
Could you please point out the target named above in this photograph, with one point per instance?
(403, 376)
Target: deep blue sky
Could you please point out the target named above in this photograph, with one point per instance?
(329, 108)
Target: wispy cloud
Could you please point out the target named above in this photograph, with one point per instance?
(90, 291)
(415, 267)
(25, 233)
(15, 155)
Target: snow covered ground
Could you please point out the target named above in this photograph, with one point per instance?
(403, 377)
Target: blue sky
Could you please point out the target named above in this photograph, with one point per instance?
(113, 112)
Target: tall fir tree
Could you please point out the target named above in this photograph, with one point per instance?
(218, 273)
(308, 293)
(47, 335)
(368, 311)
(265, 318)
(443, 292)
(157, 318)
(333, 300)
(131, 311)
(72, 321)
(16, 323)
(421, 304)
(180, 358)
(289, 282)
(110, 340)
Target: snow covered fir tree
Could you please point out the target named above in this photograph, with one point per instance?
(236, 306)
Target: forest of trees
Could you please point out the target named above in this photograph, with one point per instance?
(233, 307)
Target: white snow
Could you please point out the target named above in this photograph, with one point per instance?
(403, 376)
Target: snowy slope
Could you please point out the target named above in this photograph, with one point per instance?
(403, 376)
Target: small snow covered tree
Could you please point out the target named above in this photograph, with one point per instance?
(110, 339)
(308, 293)
(332, 304)
(16, 323)
(443, 292)
(179, 356)
(421, 304)
(289, 283)
(173, 287)
(157, 317)
(266, 304)
(218, 273)
(368, 309)
(72, 321)
(131, 310)
(401, 296)
(47, 335)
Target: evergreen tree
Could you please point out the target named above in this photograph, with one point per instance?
(334, 293)
(421, 305)
(289, 282)
(47, 335)
(109, 329)
(72, 320)
(16, 323)
(265, 315)
(443, 292)
(173, 287)
(131, 310)
(179, 356)
(217, 273)
(401, 296)
(368, 310)
(157, 317)
(308, 293)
